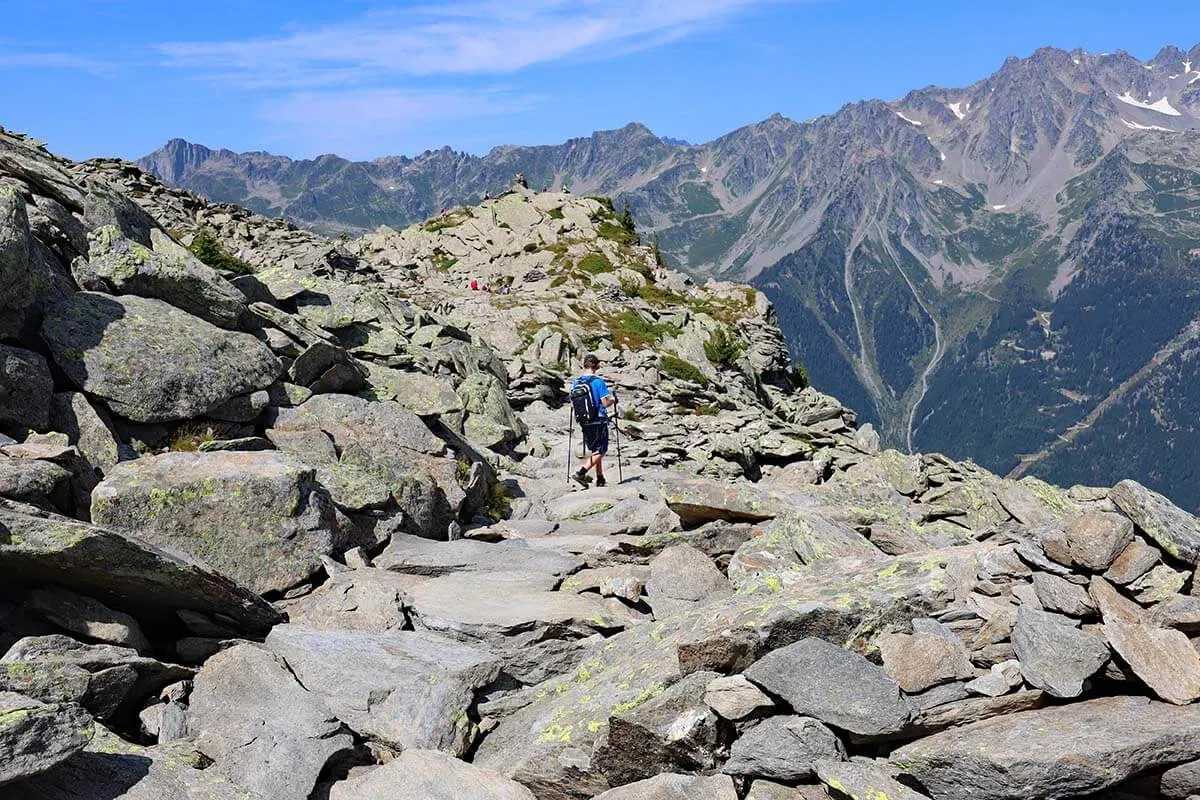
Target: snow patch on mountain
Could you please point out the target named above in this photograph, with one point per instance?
(909, 120)
(1135, 126)
(956, 109)
(1162, 106)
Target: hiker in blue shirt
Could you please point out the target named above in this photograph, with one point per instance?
(591, 411)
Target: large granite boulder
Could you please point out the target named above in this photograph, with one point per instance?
(88, 428)
(265, 732)
(1055, 655)
(783, 749)
(259, 517)
(25, 388)
(490, 421)
(150, 361)
(406, 689)
(1053, 753)
(35, 737)
(429, 775)
(125, 573)
(682, 576)
(821, 680)
(168, 272)
(1175, 530)
(16, 255)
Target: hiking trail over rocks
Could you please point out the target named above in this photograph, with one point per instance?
(297, 525)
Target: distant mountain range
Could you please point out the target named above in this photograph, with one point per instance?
(1008, 271)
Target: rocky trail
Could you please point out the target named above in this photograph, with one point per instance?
(295, 524)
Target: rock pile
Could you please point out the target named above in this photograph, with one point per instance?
(296, 526)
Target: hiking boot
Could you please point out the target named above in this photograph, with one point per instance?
(600, 481)
(582, 478)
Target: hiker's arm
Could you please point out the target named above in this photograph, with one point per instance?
(608, 401)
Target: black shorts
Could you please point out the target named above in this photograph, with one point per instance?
(595, 437)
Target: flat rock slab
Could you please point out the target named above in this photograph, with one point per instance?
(735, 698)
(417, 556)
(265, 732)
(87, 617)
(429, 775)
(674, 787)
(491, 605)
(406, 689)
(111, 767)
(697, 501)
(1053, 753)
(861, 781)
(921, 660)
(35, 737)
(1175, 530)
(783, 749)
(840, 688)
(260, 518)
(356, 600)
(150, 361)
(126, 573)
(1164, 659)
(1055, 655)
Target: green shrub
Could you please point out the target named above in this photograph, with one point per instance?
(444, 261)
(558, 281)
(656, 296)
(606, 203)
(616, 232)
(798, 377)
(722, 348)
(676, 367)
(595, 263)
(206, 248)
(630, 287)
(555, 213)
(630, 330)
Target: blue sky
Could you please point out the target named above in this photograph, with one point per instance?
(366, 79)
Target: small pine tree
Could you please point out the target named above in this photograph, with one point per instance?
(722, 348)
(206, 248)
(626, 219)
(658, 256)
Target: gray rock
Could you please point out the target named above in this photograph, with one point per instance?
(735, 698)
(1181, 782)
(87, 427)
(681, 577)
(784, 749)
(769, 790)
(1159, 584)
(1062, 596)
(35, 737)
(1094, 540)
(360, 600)
(258, 517)
(124, 573)
(490, 421)
(117, 677)
(1000, 679)
(30, 481)
(87, 617)
(1053, 753)
(921, 660)
(964, 712)
(840, 688)
(169, 272)
(265, 732)
(674, 787)
(1164, 659)
(672, 732)
(1179, 612)
(243, 408)
(1176, 531)
(111, 767)
(1133, 562)
(25, 387)
(16, 256)
(429, 775)
(105, 206)
(151, 362)
(405, 689)
(1054, 654)
(856, 779)
(414, 555)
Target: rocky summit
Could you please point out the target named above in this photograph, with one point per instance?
(286, 517)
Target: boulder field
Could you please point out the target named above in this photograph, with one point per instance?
(296, 525)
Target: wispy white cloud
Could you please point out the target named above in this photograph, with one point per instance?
(17, 59)
(476, 37)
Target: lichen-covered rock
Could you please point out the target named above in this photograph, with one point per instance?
(87, 428)
(168, 272)
(1176, 531)
(127, 574)
(259, 517)
(36, 737)
(784, 749)
(16, 271)
(25, 388)
(429, 775)
(490, 421)
(150, 361)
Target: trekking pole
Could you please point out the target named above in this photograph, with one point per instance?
(617, 427)
(570, 442)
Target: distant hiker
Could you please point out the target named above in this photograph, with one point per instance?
(474, 285)
(590, 401)
(566, 189)
(487, 195)
(520, 180)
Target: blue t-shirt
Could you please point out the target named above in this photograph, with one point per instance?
(599, 392)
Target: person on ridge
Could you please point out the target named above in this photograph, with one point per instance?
(591, 411)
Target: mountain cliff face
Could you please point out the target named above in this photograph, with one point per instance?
(1003, 271)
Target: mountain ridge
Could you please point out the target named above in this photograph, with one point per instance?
(907, 244)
